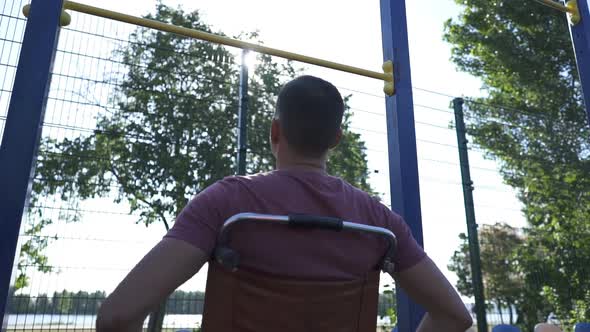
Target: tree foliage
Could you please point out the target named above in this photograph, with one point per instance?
(533, 123)
(171, 134)
(460, 264)
(501, 276)
(387, 307)
(87, 303)
(60, 303)
(503, 284)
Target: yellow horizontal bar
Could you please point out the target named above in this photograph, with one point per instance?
(557, 6)
(75, 6)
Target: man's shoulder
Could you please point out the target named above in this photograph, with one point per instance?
(360, 193)
(374, 202)
(247, 179)
(235, 183)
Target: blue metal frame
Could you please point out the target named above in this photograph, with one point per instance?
(401, 139)
(23, 129)
(580, 34)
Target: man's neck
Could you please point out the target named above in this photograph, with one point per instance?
(317, 165)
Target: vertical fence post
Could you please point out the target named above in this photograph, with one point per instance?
(580, 34)
(22, 131)
(401, 139)
(474, 257)
(243, 115)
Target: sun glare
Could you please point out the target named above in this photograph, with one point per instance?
(250, 60)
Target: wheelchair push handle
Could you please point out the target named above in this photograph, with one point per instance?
(230, 259)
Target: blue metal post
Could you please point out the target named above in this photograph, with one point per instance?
(23, 129)
(401, 139)
(580, 34)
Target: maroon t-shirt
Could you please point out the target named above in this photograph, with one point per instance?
(300, 253)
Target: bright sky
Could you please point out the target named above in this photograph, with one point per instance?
(345, 31)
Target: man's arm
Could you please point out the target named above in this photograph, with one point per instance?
(168, 265)
(426, 285)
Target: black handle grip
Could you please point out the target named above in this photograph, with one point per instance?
(307, 221)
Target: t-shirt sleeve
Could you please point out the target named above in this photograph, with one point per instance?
(408, 252)
(201, 219)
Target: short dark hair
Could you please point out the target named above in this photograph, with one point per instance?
(310, 112)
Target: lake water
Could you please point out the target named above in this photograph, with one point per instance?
(30, 321)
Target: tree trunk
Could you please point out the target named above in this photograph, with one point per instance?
(510, 313)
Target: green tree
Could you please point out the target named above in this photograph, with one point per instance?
(533, 123)
(94, 301)
(172, 133)
(503, 285)
(460, 264)
(80, 301)
(349, 160)
(502, 280)
(185, 303)
(387, 306)
(42, 304)
(21, 304)
(62, 302)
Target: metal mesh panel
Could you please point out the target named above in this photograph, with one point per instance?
(64, 283)
(12, 26)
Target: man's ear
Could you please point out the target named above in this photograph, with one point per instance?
(275, 131)
(337, 139)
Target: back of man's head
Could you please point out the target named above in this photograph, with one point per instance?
(310, 113)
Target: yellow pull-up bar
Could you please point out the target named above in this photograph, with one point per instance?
(570, 8)
(386, 75)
